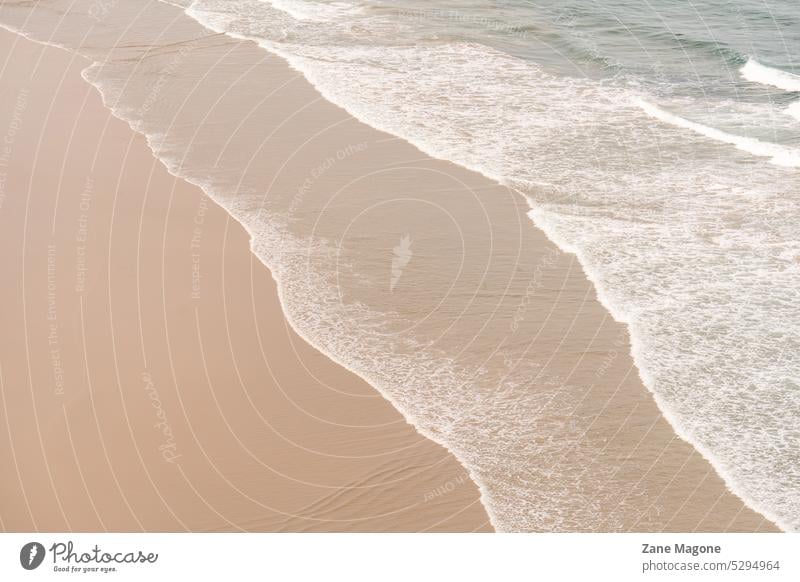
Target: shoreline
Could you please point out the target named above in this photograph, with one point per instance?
(286, 310)
(388, 474)
(669, 416)
(539, 224)
(663, 408)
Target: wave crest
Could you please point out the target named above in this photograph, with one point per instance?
(757, 73)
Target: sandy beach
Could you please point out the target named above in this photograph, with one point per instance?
(136, 397)
(150, 379)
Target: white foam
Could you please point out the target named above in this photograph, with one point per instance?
(758, 73)
(794, 110)
(684, 243)
(313, 11)
(643, 208)
(778, 154)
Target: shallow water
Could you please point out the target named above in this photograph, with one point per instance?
(659, 145)
(658, 142)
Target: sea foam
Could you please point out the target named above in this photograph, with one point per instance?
(794, 110)
(688, 241)
(778, 154)
(758, 73)
(314, 11)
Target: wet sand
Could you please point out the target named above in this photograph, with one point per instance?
(136, 396)
(271, 434)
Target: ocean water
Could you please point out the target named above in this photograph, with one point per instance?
(659, 142)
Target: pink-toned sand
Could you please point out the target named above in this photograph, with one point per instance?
(151, 382)
(149, 379)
